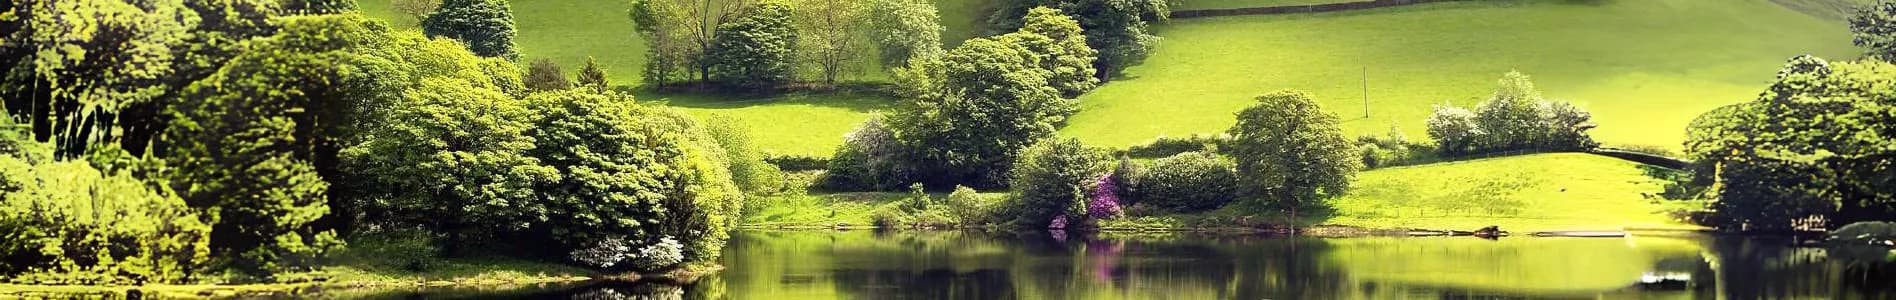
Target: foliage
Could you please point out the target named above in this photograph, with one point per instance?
(68, 223)
(829, 30)
(73, 69)
(592, 77)
(1392, 149)
(252, 143)
(627, 171)
(505, 75)
(1188, 182)
(995, 101)
(1516, 117)
(904, 30)
(1164, 146)
(756, 50)
(1118, 29)
(792, 163)
(666, 30)
(1059, 41)
(485, 26)
(870, 159)
(1104, 202)
(748, 168)
(419, 9)
(968, 206)
(1874, 27)
(316, 7)
(1054, 178)
(1816, 144)
(1290, 152)
(545, 75)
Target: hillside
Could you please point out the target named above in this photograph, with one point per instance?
(1644, 68)
(1566, 191)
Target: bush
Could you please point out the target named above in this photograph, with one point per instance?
(1514, 118)
(67, 223)
(793, 163)
(1169, 146)
(629, 172)
(1188, 182)
(968, 206)
(757, 49)
(1052, 179)
(748, 168)
(870, 159)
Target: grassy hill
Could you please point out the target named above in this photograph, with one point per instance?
(1568, 191)
(1645, 68)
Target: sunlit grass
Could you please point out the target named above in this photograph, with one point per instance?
(1521, 194)
(1223, 4)
(1644, 68)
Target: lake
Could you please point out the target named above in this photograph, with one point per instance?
(979, 265)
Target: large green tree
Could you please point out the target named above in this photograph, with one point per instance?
(1062, 49)
(1053, 179)
(757, 50)
(1291, 154)
(628, 173)
(831, 35)
(1817, 143)
(904, 30)
(993, 101)
(486, 26)
(1119, 29)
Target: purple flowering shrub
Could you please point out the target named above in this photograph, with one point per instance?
(1105, 200)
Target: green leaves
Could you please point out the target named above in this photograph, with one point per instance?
(1874, 26)
(1290, 152)
(757, 50)
(485, 26)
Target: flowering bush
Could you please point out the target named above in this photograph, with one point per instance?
(1105, 202)
(667, 252)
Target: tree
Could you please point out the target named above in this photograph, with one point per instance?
(317, 7)
(1813, 145)
(994, 102)
(72, 73)
(1063, 48)
(545, 75)
(1118, 29)
(1874, 27)
(418, 9)
(1054, 180)
(620, 165)
(667, 31)
(904, 30)
(757, 50)
(591, 76)
(451, 156)
(830, 29)
(486, 26)
(255, 143)
(1455, 130)
(748, 168)
(1512, 116)
(871, 158)
(1290, 152)
(1189, 182)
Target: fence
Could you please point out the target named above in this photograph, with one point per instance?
(1297, 9)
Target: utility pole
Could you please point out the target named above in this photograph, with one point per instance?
(1365, 92)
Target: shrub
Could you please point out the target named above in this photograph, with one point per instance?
(1053, 179)
(545, 75)
(1455, 130)
(870, 159)
(747, 165)
(1189, 182)
(793, 163)
(1169, 146)
(757, 49)
(1105, 201)
(67, 223)
(968, 206)
(666, 252)
(1514, 118)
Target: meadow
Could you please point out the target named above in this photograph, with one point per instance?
(1565, 191)
(1644, 68)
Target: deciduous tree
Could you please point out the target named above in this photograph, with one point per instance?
(1290, 153)
(485, 26)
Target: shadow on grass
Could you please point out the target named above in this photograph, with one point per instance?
(858, 97)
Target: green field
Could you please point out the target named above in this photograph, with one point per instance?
(1567, 191)
(1644, 68)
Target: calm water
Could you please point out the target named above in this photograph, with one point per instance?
(971, 265)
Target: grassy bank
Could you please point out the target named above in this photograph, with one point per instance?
(1543, 192)
(1644, 68)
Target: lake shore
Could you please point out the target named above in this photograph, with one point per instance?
(497, 276)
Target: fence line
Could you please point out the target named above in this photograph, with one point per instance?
(1297, 9)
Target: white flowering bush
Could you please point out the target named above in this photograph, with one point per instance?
(665, 253)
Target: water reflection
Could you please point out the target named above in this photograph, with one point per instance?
(971, 265)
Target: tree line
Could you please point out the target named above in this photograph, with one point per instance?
(214, 141)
